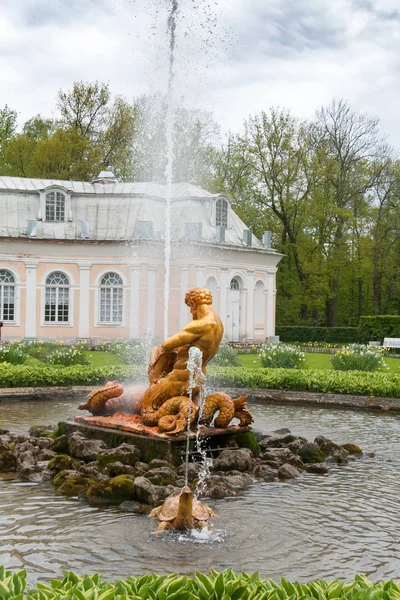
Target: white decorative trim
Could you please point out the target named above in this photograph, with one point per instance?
(134, 308)
(151, 300)
(184, 315)
(30, 299)
(17, 296)
(84, 301)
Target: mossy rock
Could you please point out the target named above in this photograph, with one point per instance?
(127, 454)
(62, 462)
(62, 476)
(60, 430)
(42, 431)
(310, 453)
(247, 439)
(60, 445)
(161, 476)
(76, 484)
(112, 491)
(352, 449)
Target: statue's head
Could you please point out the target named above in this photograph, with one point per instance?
(197, 296)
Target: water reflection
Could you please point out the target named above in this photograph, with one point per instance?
(311, 527)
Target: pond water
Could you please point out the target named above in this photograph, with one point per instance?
(311, 527)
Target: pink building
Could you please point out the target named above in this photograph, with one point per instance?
(86, 260)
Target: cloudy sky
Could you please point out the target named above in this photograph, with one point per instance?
(234, 57)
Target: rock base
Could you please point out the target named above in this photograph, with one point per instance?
(120, 428)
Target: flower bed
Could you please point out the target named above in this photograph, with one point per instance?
(215, 586)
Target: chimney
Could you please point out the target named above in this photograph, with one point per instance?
(32, 228)
(266, 239)
(248, 237)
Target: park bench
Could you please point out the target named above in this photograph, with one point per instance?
(391, 343)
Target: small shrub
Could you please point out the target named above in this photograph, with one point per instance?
(282, 356)
(67, 356)
(357, 357)
(12, 354)
(130, 352)
(226, 357)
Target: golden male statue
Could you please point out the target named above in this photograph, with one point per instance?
(168, 374)
(165, 402)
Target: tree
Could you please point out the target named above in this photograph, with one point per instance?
(354, 152)
(85, 108)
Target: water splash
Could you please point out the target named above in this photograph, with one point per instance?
(196, 380)
(206, 461)
(170, 123)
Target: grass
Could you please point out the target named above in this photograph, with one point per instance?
(102, 359)
(314, 361)
(96, 359)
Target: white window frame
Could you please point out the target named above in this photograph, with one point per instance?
(12, 284)
(96, 289)
(72, 287)
(226, 201)
(42, 204)
(113, 288)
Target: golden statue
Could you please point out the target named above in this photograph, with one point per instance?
(165, 402)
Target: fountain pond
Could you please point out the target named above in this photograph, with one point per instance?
(306, 528)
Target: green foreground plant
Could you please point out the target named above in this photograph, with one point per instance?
(215, 586)
(312, 380)
(283, 356)
(357, 357)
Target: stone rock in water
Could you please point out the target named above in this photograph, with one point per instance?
(216, 488)
(62, 462)
(311, 453)
(132, 506)
(60, 444)
(266, 472)
(75, 484)
(147, 492)
(340, 456)
(287, 471)
(237, 460)
(117, 468)
(326, 445)
(161, 476)
(277, 441)
(352, 449)
(193, 470)
(112, 491)
(127, 454)
(8, 462)
(87, 449)
(317, 469)
(42, 430)
(158, 462)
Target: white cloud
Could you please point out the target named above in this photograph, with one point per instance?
(233, 56)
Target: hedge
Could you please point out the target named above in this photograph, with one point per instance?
(24, 376)
(330, 335)
(312, 380)
(215, 586)
(369, 329)
(377, 328)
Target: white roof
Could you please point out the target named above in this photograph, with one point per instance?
(113, 210)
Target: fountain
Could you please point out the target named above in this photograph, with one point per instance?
(166, 418)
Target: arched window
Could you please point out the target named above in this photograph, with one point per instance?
(221, 213)
(235, 284)
(111, 298)
(7, 296)
(55, 206)
(56, 306)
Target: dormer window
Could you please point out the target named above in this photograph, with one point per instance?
(55, 206)
(221, 213)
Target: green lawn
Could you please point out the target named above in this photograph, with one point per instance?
(102, 359)
(314, 361)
